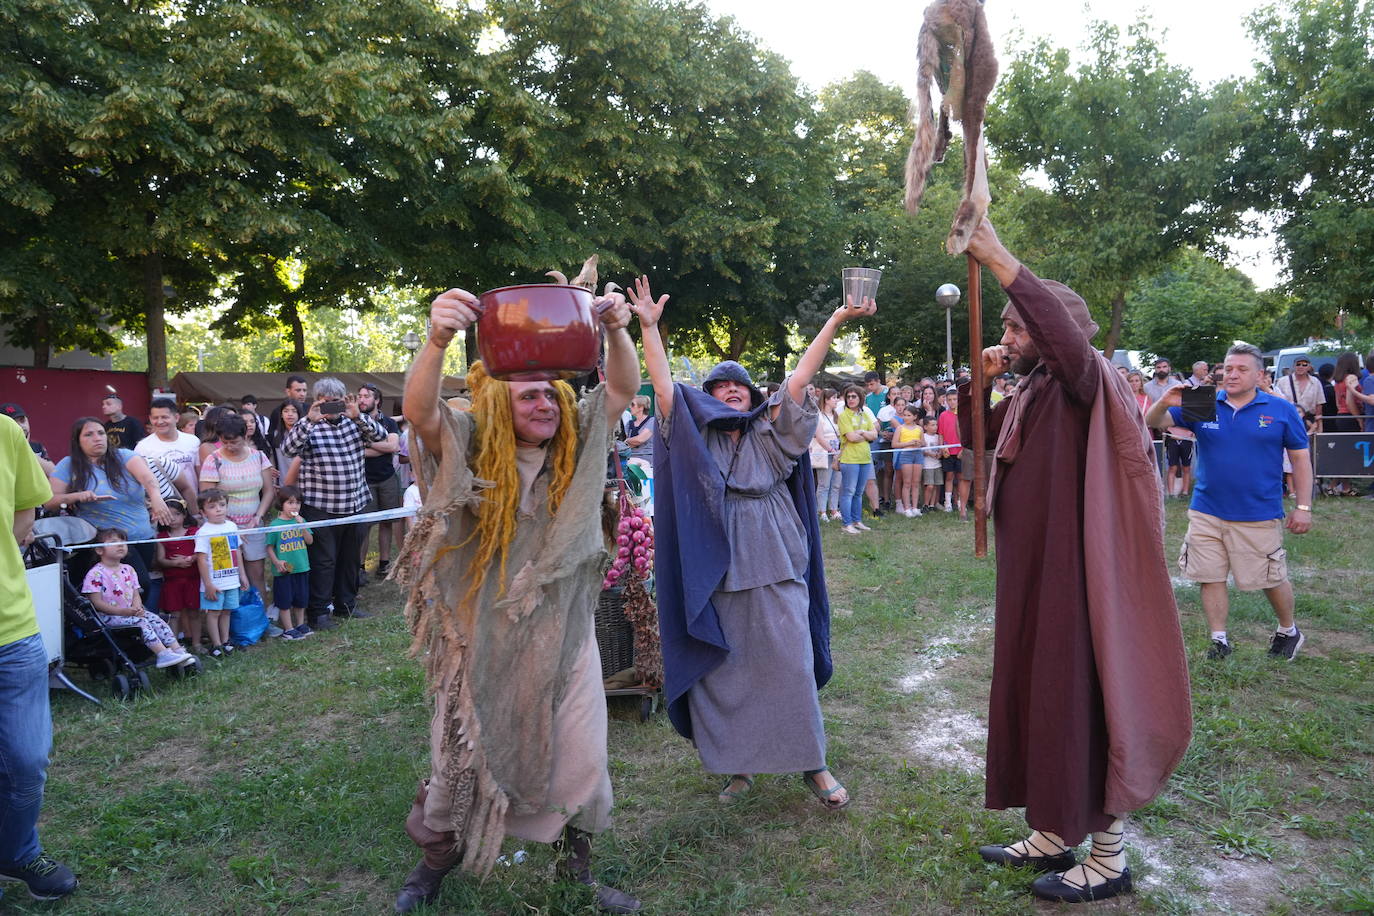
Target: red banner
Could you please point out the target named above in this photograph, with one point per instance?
(54, 398)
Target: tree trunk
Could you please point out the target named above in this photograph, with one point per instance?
(292, 315)
(780, 339)
(1114, 332)
(42, 351)
(155, 324)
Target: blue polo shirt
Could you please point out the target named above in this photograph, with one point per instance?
(1239, 461)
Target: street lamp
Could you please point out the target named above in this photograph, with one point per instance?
(411, 341)
(947, 297)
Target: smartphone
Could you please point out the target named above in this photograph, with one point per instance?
(1200, 404)
(332, 408)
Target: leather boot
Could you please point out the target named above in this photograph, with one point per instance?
(575, 864)
(440, 855)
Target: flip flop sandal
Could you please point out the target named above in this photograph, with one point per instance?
(728, 796)
(827, 796)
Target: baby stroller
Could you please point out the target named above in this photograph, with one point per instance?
(116, 653)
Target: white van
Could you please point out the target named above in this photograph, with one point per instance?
(1283, 363)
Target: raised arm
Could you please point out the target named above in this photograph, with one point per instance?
(814, 357)
(449, 313)
(655, 354)
(622, 363)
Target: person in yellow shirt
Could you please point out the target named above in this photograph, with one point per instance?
(858, 427)
(25, 724)
(908, 438)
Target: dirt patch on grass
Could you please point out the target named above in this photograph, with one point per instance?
(946, 734)
(1231, 885)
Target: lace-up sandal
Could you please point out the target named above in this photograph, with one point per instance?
(1059, 888)
(1057, 859)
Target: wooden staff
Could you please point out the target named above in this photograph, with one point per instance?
(975, 359)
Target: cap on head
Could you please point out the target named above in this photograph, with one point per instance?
(13, 411)
(731, 371)
(1078, 309)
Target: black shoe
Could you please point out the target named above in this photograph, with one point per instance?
(322, 622)
(1221, 649)
(421, 887)
(1054, 887)
(353, 613)
(383, 567)
(1005, 855)
(362, 576)
(45, 877)
(1286, 647)
(876, 513)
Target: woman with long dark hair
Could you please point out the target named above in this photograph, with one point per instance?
(286, 416)
(110, 488)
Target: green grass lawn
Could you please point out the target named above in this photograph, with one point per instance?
(278, 782)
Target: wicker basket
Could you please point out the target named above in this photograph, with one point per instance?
(614, 635)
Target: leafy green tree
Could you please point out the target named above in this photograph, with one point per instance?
(159, 144)
(1137, 158)
(1193, 309)
(1309, 141)
(673, 145)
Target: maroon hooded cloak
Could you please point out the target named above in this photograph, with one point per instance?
(1090, 709)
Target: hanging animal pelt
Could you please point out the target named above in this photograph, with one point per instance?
(954, 51)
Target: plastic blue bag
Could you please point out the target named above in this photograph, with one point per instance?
(248, 621)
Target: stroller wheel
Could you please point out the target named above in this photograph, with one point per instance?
(144, 682)
(121, 687)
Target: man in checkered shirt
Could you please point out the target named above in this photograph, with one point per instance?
(330, 440)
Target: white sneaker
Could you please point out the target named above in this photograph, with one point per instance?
(862, 527)
(169, 659)
(901, 507)
(915, 512)
(948, 508)
(850, 529)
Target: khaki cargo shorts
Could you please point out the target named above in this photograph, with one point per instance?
(1251, 551)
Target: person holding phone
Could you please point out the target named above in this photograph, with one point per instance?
(1236, 518)
(331, 441)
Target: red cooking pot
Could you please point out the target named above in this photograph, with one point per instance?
(537, 332)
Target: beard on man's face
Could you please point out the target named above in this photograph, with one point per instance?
(1027, 358)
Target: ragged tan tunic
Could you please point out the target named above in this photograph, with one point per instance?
(518, 738)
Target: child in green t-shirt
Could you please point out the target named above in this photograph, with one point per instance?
(286, 551)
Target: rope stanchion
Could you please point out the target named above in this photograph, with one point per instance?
(382, 515)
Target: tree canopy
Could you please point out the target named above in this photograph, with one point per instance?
(1308, 148)
(1133, 152)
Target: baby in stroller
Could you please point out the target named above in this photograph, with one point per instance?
(112, 587)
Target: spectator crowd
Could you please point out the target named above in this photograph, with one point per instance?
(200, 509)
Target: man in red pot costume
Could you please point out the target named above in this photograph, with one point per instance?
(1089, 712)
(504, 622)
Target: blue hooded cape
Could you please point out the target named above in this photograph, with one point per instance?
(691, 554)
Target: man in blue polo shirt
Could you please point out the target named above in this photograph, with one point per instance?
(1236, 518)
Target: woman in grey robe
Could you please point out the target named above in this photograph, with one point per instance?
(756, 711)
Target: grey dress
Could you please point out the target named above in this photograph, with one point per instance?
(758, 712)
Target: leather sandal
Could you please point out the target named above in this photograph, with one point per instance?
(827, 796)
(729, 797)
(1054, 887)
(1005, 855)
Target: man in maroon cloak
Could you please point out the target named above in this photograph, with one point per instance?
(1090, 708)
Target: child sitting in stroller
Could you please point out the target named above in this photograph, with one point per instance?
(112, 587)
